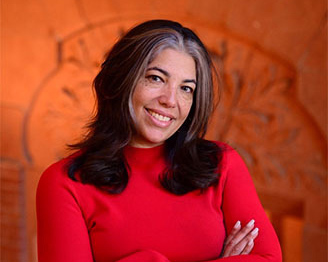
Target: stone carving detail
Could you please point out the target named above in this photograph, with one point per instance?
(258, 114)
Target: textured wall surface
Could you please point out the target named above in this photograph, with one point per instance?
(272, 58)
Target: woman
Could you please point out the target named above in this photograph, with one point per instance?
(144, 184)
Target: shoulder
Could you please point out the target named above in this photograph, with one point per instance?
(225, 150)
(56, 174)
(57, 169)
(58, 197)
(230, 158)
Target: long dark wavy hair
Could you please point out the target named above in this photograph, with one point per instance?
(193, 161)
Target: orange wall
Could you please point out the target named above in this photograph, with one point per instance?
(272, 58)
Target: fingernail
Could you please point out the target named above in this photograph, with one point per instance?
(254, 232)
(237, 224)
(250, 223)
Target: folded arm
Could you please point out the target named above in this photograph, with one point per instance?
(241, 203)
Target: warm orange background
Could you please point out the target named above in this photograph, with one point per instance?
(272, 58)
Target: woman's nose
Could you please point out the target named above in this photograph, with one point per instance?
(168, 97)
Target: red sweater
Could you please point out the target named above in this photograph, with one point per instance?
(78, 222)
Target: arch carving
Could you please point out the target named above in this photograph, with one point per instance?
(259, 113)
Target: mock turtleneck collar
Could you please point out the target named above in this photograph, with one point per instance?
(137, 156)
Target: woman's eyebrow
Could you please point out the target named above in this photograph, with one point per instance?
(159, 69)
(168, 74)
(190, 81)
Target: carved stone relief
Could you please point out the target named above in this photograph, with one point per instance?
(258, 113)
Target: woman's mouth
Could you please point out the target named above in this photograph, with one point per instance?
(159, 116)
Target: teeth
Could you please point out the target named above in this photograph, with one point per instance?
(159, 117)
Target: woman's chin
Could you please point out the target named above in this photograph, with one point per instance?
(147, 143)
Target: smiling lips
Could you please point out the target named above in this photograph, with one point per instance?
(159, 116)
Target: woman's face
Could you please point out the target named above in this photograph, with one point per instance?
(163, 97)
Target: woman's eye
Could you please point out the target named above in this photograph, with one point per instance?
(154, 78)
(187, 89)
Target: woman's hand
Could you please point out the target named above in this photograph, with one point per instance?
(241, 240)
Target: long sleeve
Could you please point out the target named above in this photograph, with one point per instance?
(82, 223)
(240, 202)
(62, 231)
